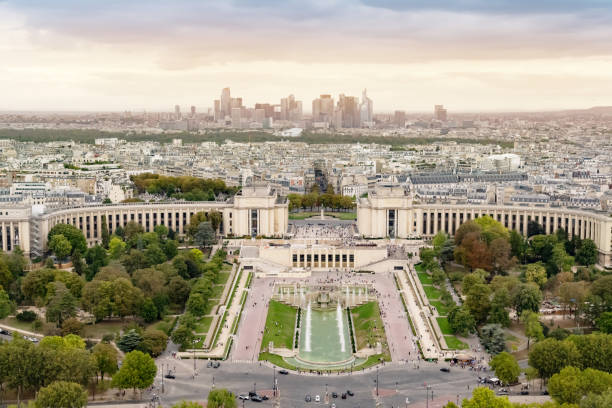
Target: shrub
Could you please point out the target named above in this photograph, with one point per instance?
(26, 316)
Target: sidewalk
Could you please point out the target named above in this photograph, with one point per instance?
(232, 313)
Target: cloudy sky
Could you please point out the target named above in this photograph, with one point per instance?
(470, 55)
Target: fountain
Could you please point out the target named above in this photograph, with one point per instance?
(340, 320)
(308, 329)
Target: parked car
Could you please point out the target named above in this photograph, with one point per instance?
(264, 397)
(170, 375)
(283, 372)
(243, 397)
(256, 398)
(216, 364)
(334, 395)
(307, 398)
(344, 395)
(252, 394)
(5, 332)
(350, 393)
(525, 392)
(445, 369)
(317, 398)
(209, 364)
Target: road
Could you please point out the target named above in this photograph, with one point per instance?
(242, 378)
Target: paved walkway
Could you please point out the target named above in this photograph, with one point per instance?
(218, 350)
(418, 315)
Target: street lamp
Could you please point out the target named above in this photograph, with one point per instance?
(377, 381)
(162, 379)
(274, 382)
(427, 389)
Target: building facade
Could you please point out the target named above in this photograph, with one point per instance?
(256, 211)
(390, 212)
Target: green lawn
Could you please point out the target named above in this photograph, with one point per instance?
(217, 291)
(425, 278)
(222, 278)
(444, 325)
(431, 292)
(98, 330)
(454, 343)
(419, 267)
(369, 328)
(280, 325)
(13, 322)
(440, 307)
(276, 360)
(203, 325)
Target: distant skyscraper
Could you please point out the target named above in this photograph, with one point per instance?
(193, 111)
(236, 117)
(399, 118)
(440, 113)
(366, 109)
(291, 109)
(218, 109)
(323, 109)
(177, 112)
(226, 102)
(349, 106)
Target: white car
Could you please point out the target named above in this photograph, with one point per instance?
(243, 397)
(317, 398)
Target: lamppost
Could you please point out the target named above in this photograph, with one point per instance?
(213, 382)
(377, 381)
(274, 382)
(255, 387)
(427, 389)
(162, 379)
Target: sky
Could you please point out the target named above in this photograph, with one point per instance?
(470, 55)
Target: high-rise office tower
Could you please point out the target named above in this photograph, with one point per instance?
(440, 113)
(177, 112)
(366, 109)
(193, 111)
(217, 109)
(349, 106)
(291, 109)
(226, 103)
(323, 109)
(236, 117)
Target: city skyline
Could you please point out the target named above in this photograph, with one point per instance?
(475, 56)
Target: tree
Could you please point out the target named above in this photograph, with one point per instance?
(72, 326)
(518, 245)
(587, 253)
(161, 231)
(549, 356)
(501, 252)
(96, 258)
(533, 328)
(153, 342)
(564, 386)
(196, 304)
(148, 311)
(138, 370)
(129, 341)
(183, 336)
(483, 397)
(221, 398)
(461, 321)
(534, 228)
(478, 301)
(560, 258)
(187, 404)
(60, 246)
(105, 234)
(506, 368)
(438, 241)
(493, 338)
(498, 313)
(595, 350)
(106, 358)
(34, 284)
(205, 235)
(604, 323)
(215, 218)
(573, 294)
(471, 279)
(62, 305)
(78, 266)
(6, 306)
(116, 247)
(72, 234)
(526, 296)
(131, 230)
(170, 248)
(536, 273)
(154, 254)
(61, 394)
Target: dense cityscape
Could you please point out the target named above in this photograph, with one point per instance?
(305, 225)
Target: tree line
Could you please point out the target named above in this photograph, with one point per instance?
(184, 187)
(315, 200)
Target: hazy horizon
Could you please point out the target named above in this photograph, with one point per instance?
(471, 56)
